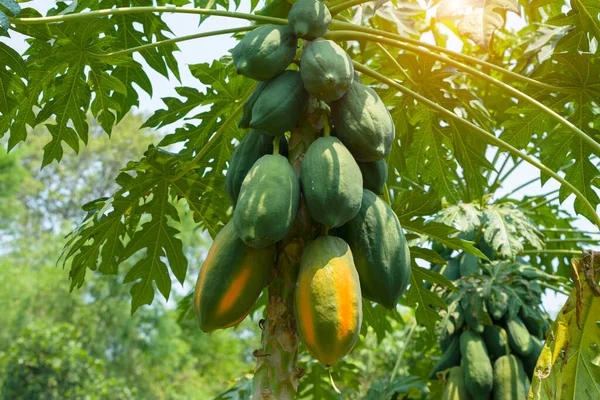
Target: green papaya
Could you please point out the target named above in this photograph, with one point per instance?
(244, 121)
(265, 52)
(497, 303)
(477, 367)
(374, 175)
(252, 147)
(531, 359)
(534, 321)
(451, 270)
(327, 299)
(495, 340)
(455, 387)
(268, 202)
(469, 265)
(519, 337)
(280, 105)
(309, 19)
(276, 8)
(380, 250)
(444, 340)
(471, 318)
(510, 381)
(331, 182)
(363, 123)
(326, 70)
(450, 358)
(231, 279)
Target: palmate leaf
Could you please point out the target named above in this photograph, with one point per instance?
(482, 22)
(110, 234)
(584, 17)
(429, 302)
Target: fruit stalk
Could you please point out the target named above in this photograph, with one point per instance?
(276, 373)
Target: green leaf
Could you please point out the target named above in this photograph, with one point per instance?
(583, 16)
(429, 303)
(443, 234)
(378, 318)
(12, 6)
(413, 203)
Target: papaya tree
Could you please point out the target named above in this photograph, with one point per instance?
(336, 151)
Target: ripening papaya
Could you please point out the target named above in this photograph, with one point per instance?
(519, 337)
(309, 19)
(244, 121)
(268, 202)
(455, 387)
(374, 175)
(231, 280)
(477, 367)
(280, 105)
(510, 381)
(363, 123)
(265, 52)
(327, 70)
(327, 300)
(253, 146)
(449, 359)
(380, 251)
(495, 340)
(531, 359)
(331, 182)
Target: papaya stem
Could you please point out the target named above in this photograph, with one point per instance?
(172, 41)
(142, 10)
(338, 8)
(386, 194)
(340, 25)
(595, 146)
(481, 132)
(396, 63)
(326, 125)
(276, 141)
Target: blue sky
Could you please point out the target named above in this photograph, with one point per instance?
(207, 49)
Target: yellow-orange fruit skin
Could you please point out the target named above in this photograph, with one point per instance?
(328, 302)
(231, 280)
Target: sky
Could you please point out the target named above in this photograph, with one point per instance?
(207, 49)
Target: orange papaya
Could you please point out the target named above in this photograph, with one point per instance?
(231, 280)
(328, 300)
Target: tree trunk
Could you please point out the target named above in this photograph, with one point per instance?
(276, 374)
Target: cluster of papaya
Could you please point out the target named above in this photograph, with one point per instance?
(361, 250)
(493, 332)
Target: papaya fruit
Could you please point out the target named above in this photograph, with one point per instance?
(469, 265)
(477, 367)
(531, 359)
(451, 270)
(455, 388)
(231, 280)
(331, 182)
(450, 358)
(534, 321)
(265, 52)
(276, 8)
(268, 202)
(363, 123)
(309, 19)
(244, 121)
(327, 299)
(519, 337)
(280, 105)
(495, 340)
(253, 146)
(497, 303)
(327, 70)
(510, 381)
(444, 340)
(380, 251)
(374, 175)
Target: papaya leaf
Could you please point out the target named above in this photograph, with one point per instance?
(584, 18)
(427, 312)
